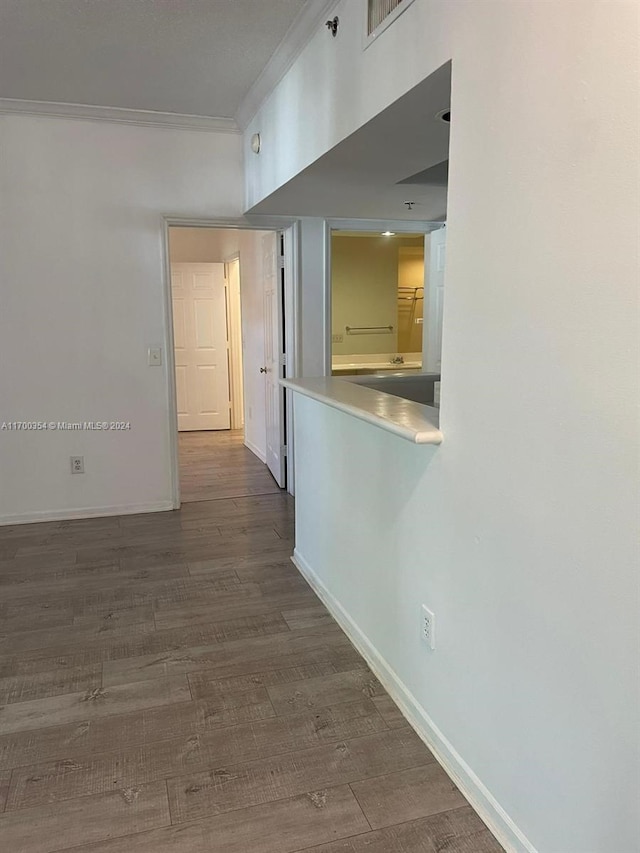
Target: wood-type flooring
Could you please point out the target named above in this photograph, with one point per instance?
(170, 684)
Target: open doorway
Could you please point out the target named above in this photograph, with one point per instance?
(386, 291)
(224, 290)
(377, 299)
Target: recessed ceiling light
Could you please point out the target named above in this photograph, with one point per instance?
(388, 233)
(444, 115)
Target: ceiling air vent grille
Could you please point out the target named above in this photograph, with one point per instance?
(378, 11)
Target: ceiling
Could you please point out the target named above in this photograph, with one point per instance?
(195, 57)
(398, 156)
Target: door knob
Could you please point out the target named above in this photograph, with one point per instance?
(263, 370)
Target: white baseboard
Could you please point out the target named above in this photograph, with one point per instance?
(91, 512)
(484, 803)
(256, 451)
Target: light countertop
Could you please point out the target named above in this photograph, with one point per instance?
(411, 421)
(374, 365)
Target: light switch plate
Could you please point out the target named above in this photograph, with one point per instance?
(155, 356)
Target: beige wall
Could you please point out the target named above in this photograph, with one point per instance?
(365, 272)
(410, 297)
(202, 245)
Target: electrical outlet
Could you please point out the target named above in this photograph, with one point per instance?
(337, 339)
(428, 626)
(77, 464)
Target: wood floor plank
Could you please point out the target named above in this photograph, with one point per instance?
(239, 507)
(244, 526)
(88, 582)
(69, 778)
(40, 530)
(94, 524)
(59, 638)
(206, 684)
(138, 728)
(113, 619)
(315, 615)
(281, 827)
(232, 491)
(5, 778)
(234, 608)
(211, 593)
(197, 589)
(244, 562)
(90, 587)
(21, 617)
(279, 586)
(71, 539)
(66, 825)
(459, 831)
(137, 557)
(77, 707)
(225, 788)
(7, 551)
(243, 656)
(152, 591)
(25, 571)
(41, 685)
(48, 561)
(207, 549)
(137, 641)
(249, 571)
(324, 690)
(407, 795)
(389, 711)
(214, 467)
(253, 502)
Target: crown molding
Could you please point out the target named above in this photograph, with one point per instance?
(305, 25)
(144, 118)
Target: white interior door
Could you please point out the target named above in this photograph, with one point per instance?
(274, 355)
(432, 346)
(201, 346)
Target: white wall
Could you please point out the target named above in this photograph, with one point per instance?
(521, 530)
(314, 350)
(353, 86)
(81, 266)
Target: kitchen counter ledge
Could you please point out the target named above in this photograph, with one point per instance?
(414, 422)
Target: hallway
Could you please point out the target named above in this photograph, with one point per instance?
(216, 464)
(170, 684)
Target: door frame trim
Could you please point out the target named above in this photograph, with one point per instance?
(293, 335)
(271, 223)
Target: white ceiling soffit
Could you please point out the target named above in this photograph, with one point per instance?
(166, 62)
(361, 177)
